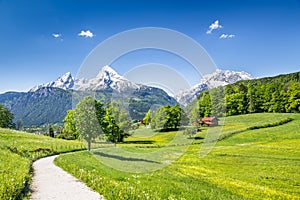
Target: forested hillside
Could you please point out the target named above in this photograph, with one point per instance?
(271, 94)
(50, 105)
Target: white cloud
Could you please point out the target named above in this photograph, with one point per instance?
(213, 26)
(56, 35)
(225, 36)
(86, 34)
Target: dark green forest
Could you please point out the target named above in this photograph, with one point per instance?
(50, 105)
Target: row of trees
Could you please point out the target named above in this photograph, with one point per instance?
(166, 117)
(6, 118)
(91, 118)
(243, 98)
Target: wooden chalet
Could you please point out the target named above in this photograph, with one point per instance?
(209, 121)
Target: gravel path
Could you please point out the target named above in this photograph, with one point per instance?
(51, 182)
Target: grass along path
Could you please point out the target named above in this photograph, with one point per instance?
(17, 152)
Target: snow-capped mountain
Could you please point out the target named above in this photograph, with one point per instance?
(107, 78)
(224, 77)
(187, 96)
(48, 103)
(209, 81)
(64, 82)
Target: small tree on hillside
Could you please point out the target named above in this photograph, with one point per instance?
(190, 132)
(160, 119)
(124, 123)
(6, 118)
(19, 125)
(116, 123)
(70, 130)
(169, 117)
(51, 131)
(147, 118)
(86, 116)
(204, 104)
(195, 116)
(110, 127)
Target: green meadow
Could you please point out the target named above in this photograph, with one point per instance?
(17, 152)
(257, 156)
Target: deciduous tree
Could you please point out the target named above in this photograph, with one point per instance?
(147, 118)
(6, 118)
(70, 130)
(86, 116)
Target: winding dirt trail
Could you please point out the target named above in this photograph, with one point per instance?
(51, 182)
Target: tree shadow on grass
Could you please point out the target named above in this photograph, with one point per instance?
(124, 158)
(139, 142)
(198, 138)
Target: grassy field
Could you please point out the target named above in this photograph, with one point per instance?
(17, 151)
(262, 163)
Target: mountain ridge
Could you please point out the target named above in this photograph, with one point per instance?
(65, 82)
(49, 102)
(210, 81)
(109, 79)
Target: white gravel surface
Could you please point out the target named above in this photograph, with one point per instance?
(51, 182)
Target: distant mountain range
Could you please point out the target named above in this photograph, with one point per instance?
(107, 79)
(210, 81)
(64, 82)
(48, 103)
(110, 79)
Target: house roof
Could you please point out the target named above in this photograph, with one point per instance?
(208, 118)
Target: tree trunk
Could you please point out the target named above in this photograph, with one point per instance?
(89, 145)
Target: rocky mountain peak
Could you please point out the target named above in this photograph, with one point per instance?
(64, 82)
(209, 81)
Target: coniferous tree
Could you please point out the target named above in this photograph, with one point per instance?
(51, 131)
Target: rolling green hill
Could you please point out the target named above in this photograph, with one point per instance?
(258, 159)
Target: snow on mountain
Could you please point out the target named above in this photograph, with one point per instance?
(107, 78)
(224, 77)
(187, 96)
(209, 81)
(64, 82)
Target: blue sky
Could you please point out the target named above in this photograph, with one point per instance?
(261, 36)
